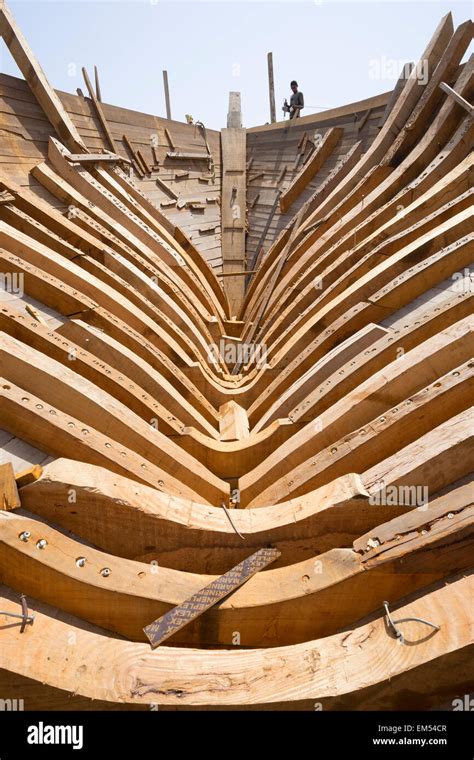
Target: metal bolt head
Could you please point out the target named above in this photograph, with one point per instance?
(41, 544)
(105, 572)
(80, 561)
(450, 515)
(25, 535)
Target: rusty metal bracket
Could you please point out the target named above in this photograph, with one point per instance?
(25, 617)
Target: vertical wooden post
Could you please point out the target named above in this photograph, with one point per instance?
(167, 95)
(271, 88)
(233, 203)
(97, 85)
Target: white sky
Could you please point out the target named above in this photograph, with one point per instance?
(338, 51)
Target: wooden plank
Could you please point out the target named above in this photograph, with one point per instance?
(458, 98)
(271, 87)
(100, 112)
(189, 610)
(96, 158)
(183, 156)
(97, 85)
(233, 212)
(9, 497)
(143, 162)
(28, 476)
(37, 81)
(320, 155)
(167, 94)
(166, 188)
(233, 422)
(170, 139)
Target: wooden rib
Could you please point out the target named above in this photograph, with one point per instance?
(32, 216)
(444, 162)
(140, 524)
(320, 155)
(302, 595)
(362, 278)
(94, 190)
(104, 376)
(407, 286)
(405, 103)
(61, 387)
(178, 347)
(396, 92)
(436, 459)
(153, 257)
(432, 319)
(421, 214)
(443, 122)
(49, 428)
(366, 445)
(132, 674)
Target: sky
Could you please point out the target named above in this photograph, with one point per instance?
(339, 52)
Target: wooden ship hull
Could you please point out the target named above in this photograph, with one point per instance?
(216, 343)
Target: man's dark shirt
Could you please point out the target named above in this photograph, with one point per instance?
(296, 99)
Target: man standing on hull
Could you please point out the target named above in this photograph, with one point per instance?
(296, 101)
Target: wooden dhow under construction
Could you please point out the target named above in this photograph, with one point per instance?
(245, 349)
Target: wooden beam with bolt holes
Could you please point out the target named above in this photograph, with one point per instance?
(172, 621)
(96, 158)
(9, 498)
(37, 81)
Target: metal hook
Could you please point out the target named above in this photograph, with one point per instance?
(26, 619)
(231, 521)
(393, 623)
